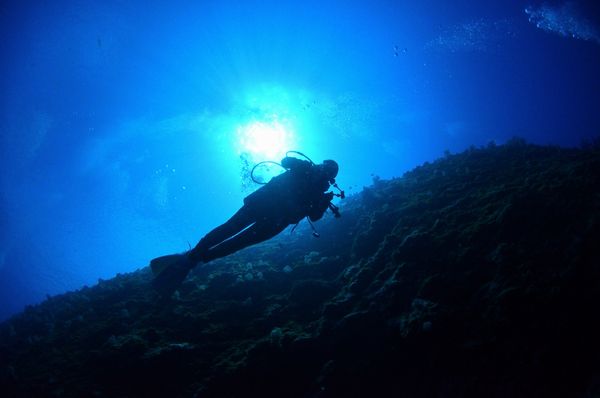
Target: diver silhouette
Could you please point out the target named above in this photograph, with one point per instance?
(286, 199)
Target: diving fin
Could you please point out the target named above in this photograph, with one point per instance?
(169, 272)
(159, 264)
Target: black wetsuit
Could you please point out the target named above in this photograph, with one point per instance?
(285, 200)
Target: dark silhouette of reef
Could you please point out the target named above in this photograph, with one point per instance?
(477, 275)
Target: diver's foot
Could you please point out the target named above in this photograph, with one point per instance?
(197, 255)
(169, 279)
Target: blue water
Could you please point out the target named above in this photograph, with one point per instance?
(124, 123)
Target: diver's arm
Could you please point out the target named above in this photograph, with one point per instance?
(322, 204)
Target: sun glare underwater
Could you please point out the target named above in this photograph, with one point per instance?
(129, 129)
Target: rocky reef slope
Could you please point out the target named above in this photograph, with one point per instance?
(476, 275)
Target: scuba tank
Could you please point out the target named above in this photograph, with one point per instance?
(332, 183)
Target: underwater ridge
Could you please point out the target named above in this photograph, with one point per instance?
(474, 275)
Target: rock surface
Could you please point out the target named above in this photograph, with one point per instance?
(475, 275)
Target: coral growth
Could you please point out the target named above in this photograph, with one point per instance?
(475, 275)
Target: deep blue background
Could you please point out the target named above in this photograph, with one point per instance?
(118, 118)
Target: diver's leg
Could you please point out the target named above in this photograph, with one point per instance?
(240, 220)
(260, 231)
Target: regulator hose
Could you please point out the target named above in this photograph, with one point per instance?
(258, 164)
(301, 154)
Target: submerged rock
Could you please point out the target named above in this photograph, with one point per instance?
(475, 275)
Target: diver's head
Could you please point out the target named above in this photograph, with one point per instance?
(330, 169)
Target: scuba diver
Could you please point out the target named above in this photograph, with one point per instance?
(286, 199)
